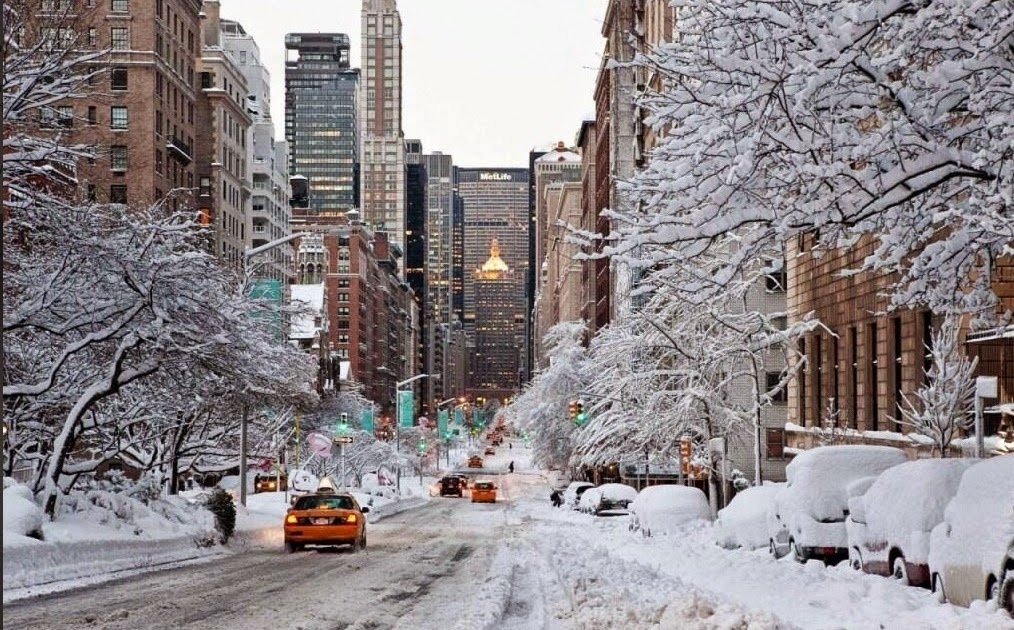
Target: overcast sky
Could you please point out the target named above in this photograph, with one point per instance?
(484, 80)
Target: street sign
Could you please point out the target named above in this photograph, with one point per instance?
(442, 417)
(367, 420)
(343, 439)
(406, 407)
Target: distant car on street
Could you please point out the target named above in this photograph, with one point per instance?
(475, 461)
(483, 492)
(330, 518)
(270, 483)
(451, 486)
(490, 451)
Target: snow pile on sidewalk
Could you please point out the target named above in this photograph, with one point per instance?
(99, 531)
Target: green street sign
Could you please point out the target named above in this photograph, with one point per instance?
(442, 417)
(367, 420)
(405, 408)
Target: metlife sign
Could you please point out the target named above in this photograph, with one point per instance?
(486, 176)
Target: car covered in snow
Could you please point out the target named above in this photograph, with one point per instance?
(807, 519)
(667, 508)
(889, 524)
(742, 523)
(610, 499)
(972, 550)
(572, 494)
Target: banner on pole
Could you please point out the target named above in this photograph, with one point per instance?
(442, 423)
(367, 420)
(459, 418)
(405, 408)
(320, 445)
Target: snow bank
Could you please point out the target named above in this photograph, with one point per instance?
(665, 509)
(22, 517)
(487, 606)
(742, 523)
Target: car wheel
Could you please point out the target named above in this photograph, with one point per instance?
(855, 559)
(937, 586)
(992, 589)
(899, 570)
(795, 552)
(1007, 593)
(291, 547)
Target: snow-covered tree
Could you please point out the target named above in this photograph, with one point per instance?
(98, 302)
(830, 123)
(943, 405)
(541, 409)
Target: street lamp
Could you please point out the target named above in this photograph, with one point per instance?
(244, 421)
(397, 420)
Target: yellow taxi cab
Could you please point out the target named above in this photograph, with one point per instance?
(483, 492)
(325, 518)
(475, 461)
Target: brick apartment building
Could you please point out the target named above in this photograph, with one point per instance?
(141, 115)
(371, 313)
(858, 370)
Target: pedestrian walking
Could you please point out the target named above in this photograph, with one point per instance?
(556, 498)
(511, 467)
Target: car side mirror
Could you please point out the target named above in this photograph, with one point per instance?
(365, 510)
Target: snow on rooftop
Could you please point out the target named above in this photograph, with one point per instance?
(309, 296)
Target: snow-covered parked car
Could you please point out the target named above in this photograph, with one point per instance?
(808, 516)
(972, 550)
(889, 525)
(21, 515)
(665, 509)
(589, 500)
(611, 499)
(572, 495)
(742, 523)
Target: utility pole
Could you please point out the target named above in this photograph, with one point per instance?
(397, 421)
(243, 454)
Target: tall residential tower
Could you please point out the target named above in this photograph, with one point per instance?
(382, 197)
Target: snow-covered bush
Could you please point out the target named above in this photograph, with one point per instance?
(220, 503)
(22, 517)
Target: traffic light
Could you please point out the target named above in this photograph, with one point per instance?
(342, 428)
(421, 447)
(572, 411)
(582, 415)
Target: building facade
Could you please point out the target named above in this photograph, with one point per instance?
(439, 237)
(595, 309)
(371, 312)
(382, 199)
(321, 118)
(267, 159)
(141, 115)
(859, 370)
(221, 153)
(495, 359)
(416, 243)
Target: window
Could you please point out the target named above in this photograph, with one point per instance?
(775, 443)
(118, 79)
(91, 192)
(343, 297)
(780, 323)
(65, 115)
(118, 117)
(118, 193)
(873, 380)
(771, 380)
(775, 280)
(119, 38)
(119, 6)
(158, 161)
(802, 383)
(207, 80)
(158, 122)
(118, 157)
(896, 365)
(93, 37)
(92, 114)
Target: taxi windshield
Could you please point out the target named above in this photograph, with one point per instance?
(325, 503)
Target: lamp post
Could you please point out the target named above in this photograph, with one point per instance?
(397, 420)
(247, 257)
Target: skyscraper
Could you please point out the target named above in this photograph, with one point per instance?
(321, 117)
(495, 359)
(439, 237)
(495, 206)
(382, 198)
(416, 238)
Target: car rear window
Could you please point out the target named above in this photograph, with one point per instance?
(483, 486)
(451, 481)
(325, 503)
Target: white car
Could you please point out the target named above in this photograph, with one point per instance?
(589, 500)
(808, 516)
(972, 550)
(889, 525)
(666, 509)
(742, 523)
(572, 495)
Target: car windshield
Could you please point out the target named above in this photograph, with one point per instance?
(325, 503)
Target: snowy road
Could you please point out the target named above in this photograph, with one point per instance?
(417, 568)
